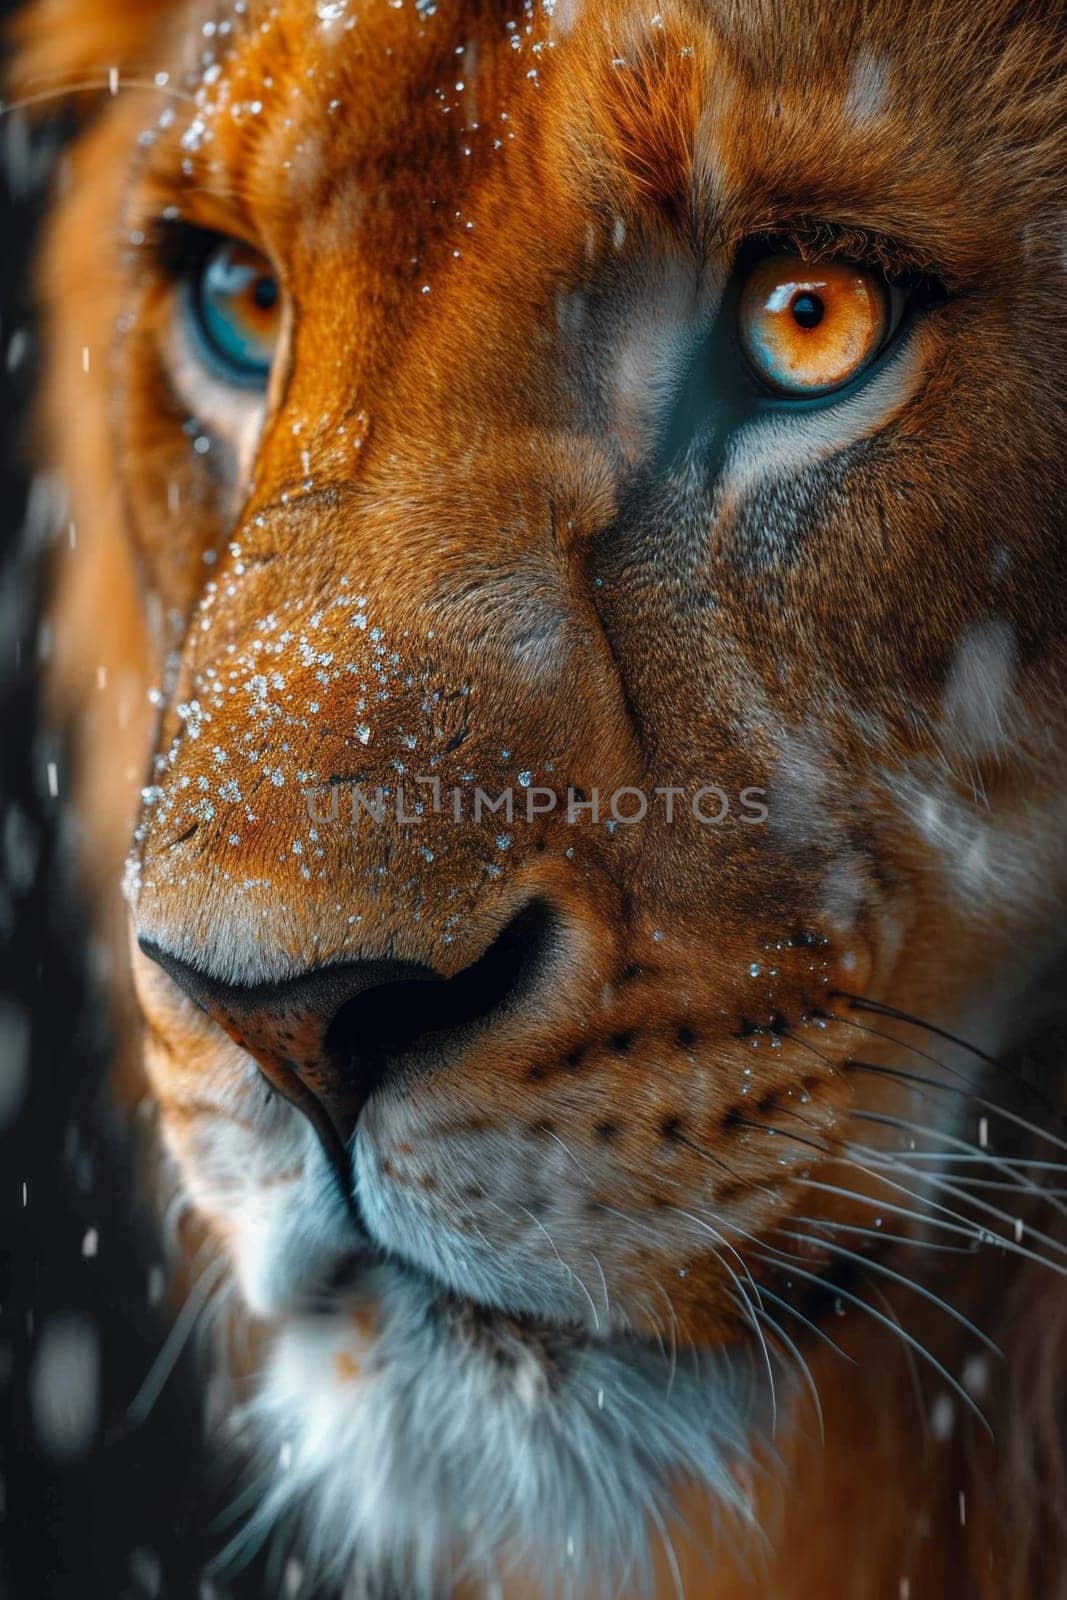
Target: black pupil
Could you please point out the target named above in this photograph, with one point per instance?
(265, 293)
(808, 310)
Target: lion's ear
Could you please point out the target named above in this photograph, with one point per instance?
(58, 48)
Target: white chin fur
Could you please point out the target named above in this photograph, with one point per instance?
(413, 1439)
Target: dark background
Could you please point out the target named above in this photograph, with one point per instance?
(90, 1504)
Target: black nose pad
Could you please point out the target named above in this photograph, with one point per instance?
(327, 1038)
(287, 1027)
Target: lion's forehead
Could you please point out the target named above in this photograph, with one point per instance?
(334, 117)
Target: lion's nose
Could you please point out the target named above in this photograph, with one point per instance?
(329, 1037)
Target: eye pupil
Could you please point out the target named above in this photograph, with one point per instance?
(265, 294)
(807, 331)
(808, 310)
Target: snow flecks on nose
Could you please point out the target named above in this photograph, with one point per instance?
(327, 667)
(264, 694)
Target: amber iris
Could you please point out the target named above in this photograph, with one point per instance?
(808, 329)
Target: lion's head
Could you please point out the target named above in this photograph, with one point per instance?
(569, 551)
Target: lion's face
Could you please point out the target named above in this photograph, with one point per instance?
(653, 420)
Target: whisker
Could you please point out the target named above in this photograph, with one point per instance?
(893, 1322)
(110, 85)
(975, 1229)
(894, 1328)
(885, 1159)
(802, 1366)
(967, 1230)
(880, 1008)
(672, 1323)
(751, 1307)
(784, 1133)
(603, 1284)
(656, 1330)
(1022, 1181)
(569, 1153)
(764, 1293)
(946, 1186)
(725, 1243)
(645, 1227)
(813, 1327)
(1019, 1181)
(868, 1263)
(957, 1159)
(852, 1062)
(196, 1302)
(909, 1356)
(761, 1289)
(996, 1187)
(881, 1236)
(709, 1155)
(901, 1044)
(968, 1227)
(806, 1044)
(668, 1549)
(568, 1269)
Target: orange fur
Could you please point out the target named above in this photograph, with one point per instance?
(442, 450)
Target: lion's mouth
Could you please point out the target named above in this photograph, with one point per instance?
(355, 1280)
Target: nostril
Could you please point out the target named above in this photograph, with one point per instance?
(283, 1026)
(327, 1038)
(400, 1019)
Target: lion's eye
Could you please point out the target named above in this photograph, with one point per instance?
(808, 329)
(234, 302)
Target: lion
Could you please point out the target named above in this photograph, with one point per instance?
(566, 633)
